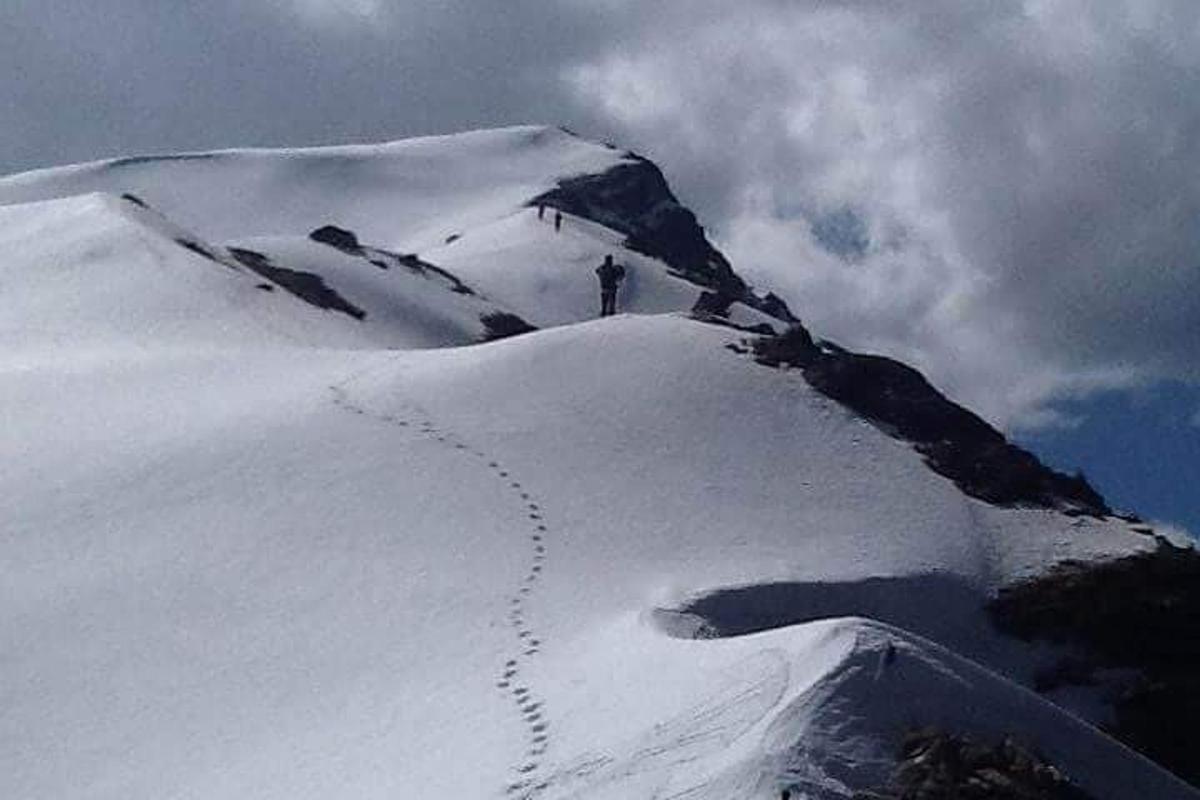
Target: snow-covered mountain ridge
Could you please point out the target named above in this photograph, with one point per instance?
(279, 526)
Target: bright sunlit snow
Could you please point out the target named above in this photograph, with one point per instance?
(256, 548)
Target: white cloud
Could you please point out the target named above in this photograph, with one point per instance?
(344, 11)
(1025, 171)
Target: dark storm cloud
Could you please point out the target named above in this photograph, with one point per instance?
(1006, 193)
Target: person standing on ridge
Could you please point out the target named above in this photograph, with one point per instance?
(557, 221)
(541, 210)
(610, 275)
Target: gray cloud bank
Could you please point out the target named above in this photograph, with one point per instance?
(1005, 193)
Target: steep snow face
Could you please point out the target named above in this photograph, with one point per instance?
(433, 572)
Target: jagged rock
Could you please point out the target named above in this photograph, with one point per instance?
(934, 765)
(795, 347)
(954, 442)
(1137, 613)
(712, 304)
(773, 305)
(340, 238)
(501, 325)
(633, 198)
(310, 288)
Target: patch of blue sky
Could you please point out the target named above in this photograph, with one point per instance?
(1141, 450)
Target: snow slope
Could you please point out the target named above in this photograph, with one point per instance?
(99, 270)
(272, 578)
(260, 549)
(549, 277)
(407, 196)
(459, 202)
(95, 270)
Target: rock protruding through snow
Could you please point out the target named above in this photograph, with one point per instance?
(633, 198)
(955, 442)
(234, 588)
(936, 765)
(1133, 626)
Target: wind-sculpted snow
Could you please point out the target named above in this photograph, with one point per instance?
(232, 559)
(939, 607)
(891, 682)
(256, 546)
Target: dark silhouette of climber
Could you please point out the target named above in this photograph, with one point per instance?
(557, 221)
(610, 275)
(541, 210)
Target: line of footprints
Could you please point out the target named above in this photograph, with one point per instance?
(526, 783)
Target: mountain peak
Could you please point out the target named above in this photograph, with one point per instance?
(271, 478)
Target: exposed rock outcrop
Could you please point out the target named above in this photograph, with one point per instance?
(1135, 624)
(934, 765)
(955, 443)
(502, 324)
(340, 238)
(130, 197)
(310, 288)
(633, 198)
(348, 242)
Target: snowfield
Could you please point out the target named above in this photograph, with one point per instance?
(260, 548)
(409, 195)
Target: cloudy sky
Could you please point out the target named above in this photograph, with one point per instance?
(1005, 193)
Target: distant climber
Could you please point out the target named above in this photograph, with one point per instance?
(557, 221)
(887, 657)
(541, 210)
(610, 275)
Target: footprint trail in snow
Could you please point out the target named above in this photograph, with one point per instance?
(527, 780)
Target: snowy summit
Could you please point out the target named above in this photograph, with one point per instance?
(325, 480)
